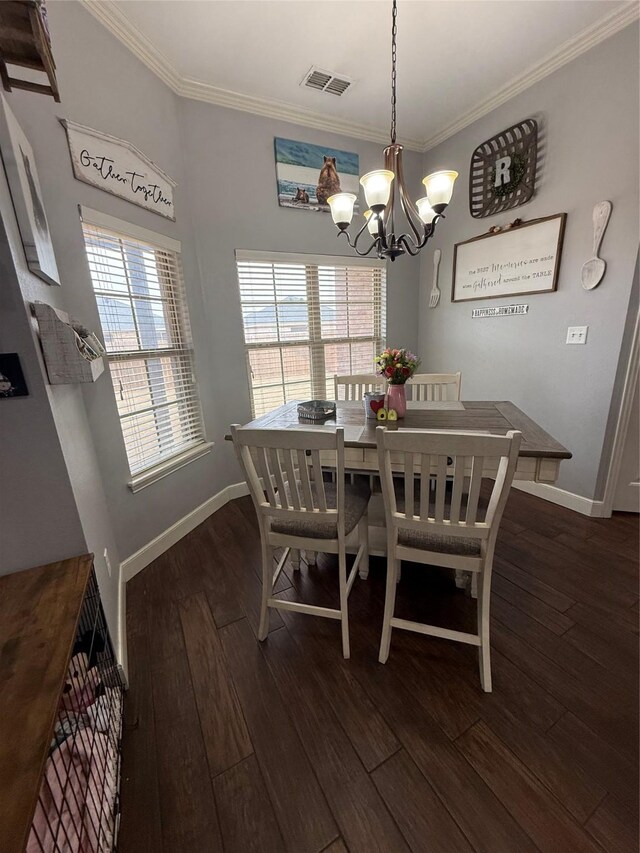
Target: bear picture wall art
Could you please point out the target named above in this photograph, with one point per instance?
(308, 174)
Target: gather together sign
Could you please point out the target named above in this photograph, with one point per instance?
(118, 167)
(523, 259)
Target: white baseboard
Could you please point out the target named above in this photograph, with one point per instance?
(585, 506)
(149, 552)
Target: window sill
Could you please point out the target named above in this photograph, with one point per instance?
(147, 478)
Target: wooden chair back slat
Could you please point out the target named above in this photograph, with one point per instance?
(441, 487)
(318, 481)
(477, 467)
(425, 484)
(274, 455)
(293, 479)
(409, 483)
(265, 474)
(303, 469)
(457, 488)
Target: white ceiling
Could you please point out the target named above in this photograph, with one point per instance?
(456, 59)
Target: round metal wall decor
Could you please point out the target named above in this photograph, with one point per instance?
(503, 170)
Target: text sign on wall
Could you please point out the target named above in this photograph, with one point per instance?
(500, 311)
(119, 168)
(525, 259)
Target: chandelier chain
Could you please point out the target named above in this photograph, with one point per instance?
(394, 32)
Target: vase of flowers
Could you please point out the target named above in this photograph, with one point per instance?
(397, 366)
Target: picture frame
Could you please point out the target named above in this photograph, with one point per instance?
(514, 261)
(24, 185)
(307, 174)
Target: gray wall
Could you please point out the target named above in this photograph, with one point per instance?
(225, 199)
(52, 502)
(588, 111)
(232, 191)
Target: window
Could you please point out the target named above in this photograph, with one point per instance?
(137, 279)
(305, 319)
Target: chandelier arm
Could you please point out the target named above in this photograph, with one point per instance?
(413, 247)
(410, 245)
(353, 243)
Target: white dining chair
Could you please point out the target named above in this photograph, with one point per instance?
(297, 509)
(354, 387)
(437, 387)
(447, 526)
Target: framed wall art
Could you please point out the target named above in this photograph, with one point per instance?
(308, 174)
(22, 175)
(503, 170)
(522, 259)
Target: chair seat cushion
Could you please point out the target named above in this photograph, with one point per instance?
(442, 544)
(356, 498)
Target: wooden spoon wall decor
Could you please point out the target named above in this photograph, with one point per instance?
(593, 270)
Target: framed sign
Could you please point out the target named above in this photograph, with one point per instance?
(524, 259)
(503, 170)
(119, 168)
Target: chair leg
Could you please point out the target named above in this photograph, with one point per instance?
(484, 651)
(474, 584)
(294, 557)
(344, 601)
(310, 558)
(393, 567)
(267, 589)
(363, 540)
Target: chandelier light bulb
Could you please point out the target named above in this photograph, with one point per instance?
(372, 222)
(439, 187)
(377, 188)
(341, 205)
(425, 211)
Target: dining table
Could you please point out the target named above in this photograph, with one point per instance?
(539, 458)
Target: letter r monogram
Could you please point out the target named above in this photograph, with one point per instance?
(503, 174)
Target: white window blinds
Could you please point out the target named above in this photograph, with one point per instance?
(307, 318)
(141, 301)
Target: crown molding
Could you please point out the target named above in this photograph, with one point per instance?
(271, 108)
(112, 18)
(591, 36)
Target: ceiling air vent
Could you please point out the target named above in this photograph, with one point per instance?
(325, 81)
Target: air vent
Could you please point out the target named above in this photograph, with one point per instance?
(325, 81)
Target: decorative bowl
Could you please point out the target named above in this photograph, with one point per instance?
(317, 410)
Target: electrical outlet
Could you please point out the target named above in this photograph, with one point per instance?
(107, 561)
(577, 334)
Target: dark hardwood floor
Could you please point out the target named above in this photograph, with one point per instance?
(236, 746)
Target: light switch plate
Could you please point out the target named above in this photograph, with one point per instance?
(577, 334)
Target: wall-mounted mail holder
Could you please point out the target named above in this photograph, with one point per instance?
(71, 353)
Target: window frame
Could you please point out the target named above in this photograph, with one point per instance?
(177, 303)
(315, 342)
